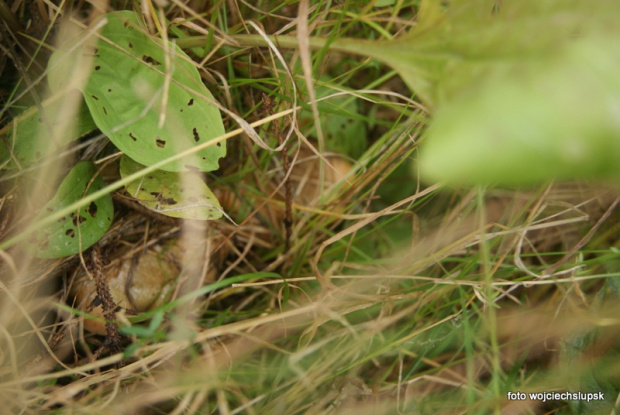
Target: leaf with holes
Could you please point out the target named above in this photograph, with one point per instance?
(179, 195)
(137, 83)
(27, 138)
(80, 229)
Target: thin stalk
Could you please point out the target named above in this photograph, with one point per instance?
(399, 53)
(490, 294)
(349, 45)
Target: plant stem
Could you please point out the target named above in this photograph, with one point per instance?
(397, 53)
(349, 45)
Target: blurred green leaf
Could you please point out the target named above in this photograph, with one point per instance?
(458, 43)
(521, 91)
(535, 120)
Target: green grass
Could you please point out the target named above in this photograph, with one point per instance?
(395, 296)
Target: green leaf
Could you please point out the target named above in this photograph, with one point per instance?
(522, 91)
(27, 139)
(553, 117)
(458, 43)
(179, 195)
(79, 230)
(430, 13)
(131, 88)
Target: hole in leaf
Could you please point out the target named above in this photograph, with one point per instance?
(133, 137)
(97, 67)
(218, 144)
(149, 59)
(191, 102)
(169, 201)
(70, 233)
(196, 136)
(92, 209)
(160, 143)
(130, 45)
(77, 219)
(156, 194)
(95, 97)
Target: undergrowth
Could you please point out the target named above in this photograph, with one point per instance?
(360, 289)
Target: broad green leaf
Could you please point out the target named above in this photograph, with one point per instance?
(78, 230)
(430, 13)
(458, 43)
(522, 91)
(541, 119)
(179, 195)
(131, 88)
(27, 138)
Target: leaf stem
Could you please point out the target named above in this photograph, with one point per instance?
(349, 45)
